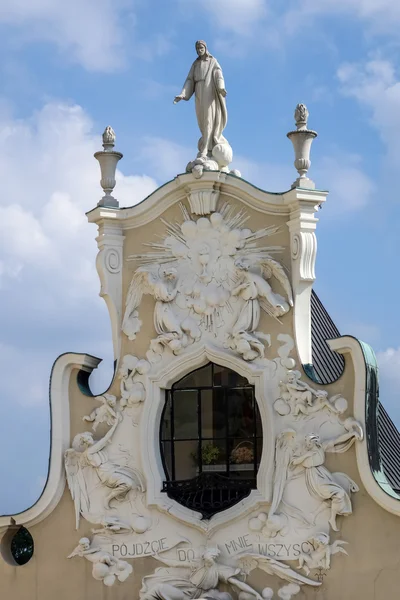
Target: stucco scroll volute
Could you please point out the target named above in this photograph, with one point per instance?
(109, 267)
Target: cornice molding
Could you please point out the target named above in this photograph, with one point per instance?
(179, 190)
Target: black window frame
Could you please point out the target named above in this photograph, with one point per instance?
(236, 482)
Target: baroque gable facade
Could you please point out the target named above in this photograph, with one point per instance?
(215, 465)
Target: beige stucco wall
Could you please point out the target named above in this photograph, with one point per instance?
(370, 572)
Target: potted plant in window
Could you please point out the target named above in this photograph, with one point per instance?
(209, 456)
(242, 456)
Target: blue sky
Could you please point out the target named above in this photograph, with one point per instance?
(70, 68)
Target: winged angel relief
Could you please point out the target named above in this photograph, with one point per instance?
(209, 278)
(87, 465)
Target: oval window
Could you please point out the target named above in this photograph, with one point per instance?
(211, 440)
(17, 546)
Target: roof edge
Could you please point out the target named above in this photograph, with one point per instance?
(366, 403)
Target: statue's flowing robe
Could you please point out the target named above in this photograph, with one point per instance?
(283, 455)
(322, 484)
(206, 81)
(110, 474)
(193, 584)
(165, 320)
(249, 316)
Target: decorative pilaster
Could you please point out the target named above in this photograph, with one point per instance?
(303, 243)
(109, 267)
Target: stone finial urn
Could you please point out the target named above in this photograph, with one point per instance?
(108, 160)
(302, 139)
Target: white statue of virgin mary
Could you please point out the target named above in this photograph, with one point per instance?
(206, 82)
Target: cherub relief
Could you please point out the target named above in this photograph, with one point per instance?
(298, 398)
(320, 557)
(106, 413)
(298, 394)
(106, 568)
(132, 390)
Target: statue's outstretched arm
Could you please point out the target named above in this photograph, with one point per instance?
(188, 87)
(298, 460)
(341, 443)
(100, 444)
(219, 80)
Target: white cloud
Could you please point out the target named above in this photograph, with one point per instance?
(381, 16)
(272, 177)
(16, 361)
(367, 332)
(376, 86)
(349, 192)
(50, 180)
(262, 19)
(87, 31)
(236, 16)
(389, 362)
(350, 188)
(167, 158)
(48, 281)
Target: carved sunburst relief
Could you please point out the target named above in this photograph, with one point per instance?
(209, 277)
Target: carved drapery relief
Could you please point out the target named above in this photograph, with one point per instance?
(209, 279)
